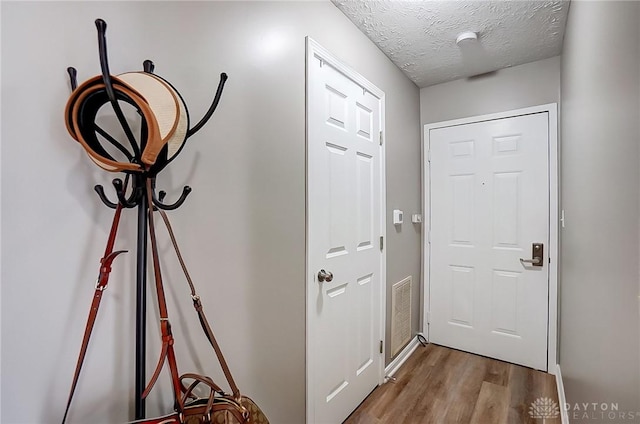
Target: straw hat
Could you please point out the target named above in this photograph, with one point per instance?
(165, 120)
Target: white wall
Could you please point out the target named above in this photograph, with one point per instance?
(531, 84)
(599, 342)
(242, 229)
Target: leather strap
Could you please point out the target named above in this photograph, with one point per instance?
(167, 352)
(239, 409)
(101, 285)
(197, 304)
(82, 109)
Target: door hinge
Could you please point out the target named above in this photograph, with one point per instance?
(381, 242)
(429, 155)
(381, 345)
(429, 236)
(381, 137)
(428, 317)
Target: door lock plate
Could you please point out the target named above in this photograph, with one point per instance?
(537, 256)
(537, 252)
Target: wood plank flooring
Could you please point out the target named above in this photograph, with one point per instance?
(445, 386)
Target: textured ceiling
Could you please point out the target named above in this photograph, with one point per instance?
(419, 36)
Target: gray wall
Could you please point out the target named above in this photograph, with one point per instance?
(600, 186)
(531, 84)
(522, 86)
(599, 340)
(245, 218)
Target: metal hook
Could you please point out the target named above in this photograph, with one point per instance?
(73, 77)
(120, 187)
(132, 201)
(136, 195)
(100, 190)
(106, 78)
(212, 108)
(158, 201)
(148, 66)
(113, 141)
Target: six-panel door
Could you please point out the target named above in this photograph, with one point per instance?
(489, 186)
(344, 188)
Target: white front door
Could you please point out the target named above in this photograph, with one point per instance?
(344, 199)
(489, 187)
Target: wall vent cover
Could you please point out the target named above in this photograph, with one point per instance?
(400, 315)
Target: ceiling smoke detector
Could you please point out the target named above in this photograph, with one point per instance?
(466, 36)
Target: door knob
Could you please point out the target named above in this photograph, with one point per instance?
(325, 276)
(537, 253)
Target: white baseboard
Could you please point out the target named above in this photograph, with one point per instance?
(562, 399)
(402, 357)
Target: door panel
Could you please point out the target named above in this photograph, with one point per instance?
(461, 295)
(364, 201)
(489, 187)
(344, 223)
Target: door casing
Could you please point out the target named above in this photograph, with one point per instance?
(554, 214)
(313, 52)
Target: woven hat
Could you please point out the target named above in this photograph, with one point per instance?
(165, 120)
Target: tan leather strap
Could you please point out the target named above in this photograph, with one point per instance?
(197, 304)
(237, 408)
(165, 327)
(160, 105)
(197, 379)
(76, 111)
(101, 285)
(188, 390)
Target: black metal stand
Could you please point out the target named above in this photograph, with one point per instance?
(138, 198)
(141, 306)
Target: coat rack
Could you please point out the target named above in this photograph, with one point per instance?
(137, 195)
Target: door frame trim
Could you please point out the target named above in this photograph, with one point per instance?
(313, 49)
(554, 215)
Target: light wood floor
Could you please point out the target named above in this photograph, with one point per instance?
(440, 385)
